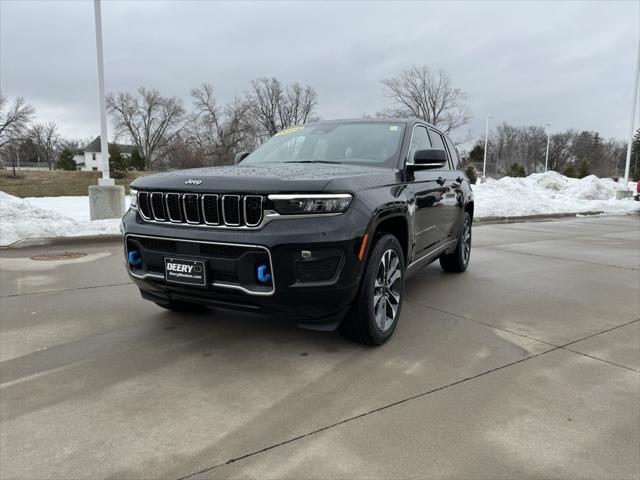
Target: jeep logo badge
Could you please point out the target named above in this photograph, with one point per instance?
(193, 182)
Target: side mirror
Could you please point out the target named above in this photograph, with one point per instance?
(240, 156)
(429, 159)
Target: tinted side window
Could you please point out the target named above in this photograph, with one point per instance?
(419, 141)
(436, 140)
(454, 154)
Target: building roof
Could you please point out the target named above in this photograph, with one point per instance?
(95, 146)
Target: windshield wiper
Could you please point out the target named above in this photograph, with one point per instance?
(313, 161)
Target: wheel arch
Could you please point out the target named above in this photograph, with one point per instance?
(469, 208)
(395, 224)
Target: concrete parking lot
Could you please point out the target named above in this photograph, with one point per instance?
(526, 366)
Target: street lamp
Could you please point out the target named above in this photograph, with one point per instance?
(546, 157)
(104, 146)
(486, 141)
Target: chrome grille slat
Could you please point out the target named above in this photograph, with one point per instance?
(203, 209)
(210, 210)
(254, 211)
(144, 206)
(173, 204)
(157, 206)
(231, 210)
(190, 204)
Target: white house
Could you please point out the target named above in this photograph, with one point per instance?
(89, 158)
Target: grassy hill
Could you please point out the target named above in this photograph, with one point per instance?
(56, 183)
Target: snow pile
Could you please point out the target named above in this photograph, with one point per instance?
(549, 193)
(20, 219)
(540, 193)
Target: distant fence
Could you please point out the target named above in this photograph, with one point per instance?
(25, 166)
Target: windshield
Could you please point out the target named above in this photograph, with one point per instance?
(363, 143)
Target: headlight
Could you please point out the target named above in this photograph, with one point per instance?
(311, 204)
(133, 198)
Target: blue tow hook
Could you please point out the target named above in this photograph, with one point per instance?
(135, 260)
(263, 273)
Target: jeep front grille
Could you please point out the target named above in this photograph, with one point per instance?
(208, 209)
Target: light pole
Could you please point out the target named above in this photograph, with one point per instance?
(104, 145)
(546, 157)
(486, 142)
(106, 200)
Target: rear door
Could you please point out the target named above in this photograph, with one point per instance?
(428, 228)
(452, 194)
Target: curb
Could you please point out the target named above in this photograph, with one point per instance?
(44, 242)
(533, 218)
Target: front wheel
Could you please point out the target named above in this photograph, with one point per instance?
(458, 261)
(375, 312)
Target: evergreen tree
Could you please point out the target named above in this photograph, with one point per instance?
(570, 171)
(66, 161)
(477, 153)
(117, 163)
(136, 161)
(584, 168)
(470, 171)
(516, 170)
(634, 167)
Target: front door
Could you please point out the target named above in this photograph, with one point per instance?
(428, 188)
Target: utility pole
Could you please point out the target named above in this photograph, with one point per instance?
(546, 157)
(486, 143)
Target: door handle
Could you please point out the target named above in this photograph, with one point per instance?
(440, 181)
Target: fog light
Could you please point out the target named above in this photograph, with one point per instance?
(135, 260)
(264, 276)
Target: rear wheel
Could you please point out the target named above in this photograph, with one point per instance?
(374, 315)
(458, 261)
(184, 307)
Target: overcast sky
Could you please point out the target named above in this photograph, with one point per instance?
(567, 63)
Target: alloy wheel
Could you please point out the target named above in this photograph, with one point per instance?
(466, 240)
(387, 290)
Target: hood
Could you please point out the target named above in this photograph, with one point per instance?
(311, 177)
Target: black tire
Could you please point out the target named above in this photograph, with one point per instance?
(458, 261)
(182, 307)
(361, 323)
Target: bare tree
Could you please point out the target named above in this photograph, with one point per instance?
(45, 137)
(221, 132)
(14, 119)
(561, 150)
(150, 119)
(274, 106)
(417, 92)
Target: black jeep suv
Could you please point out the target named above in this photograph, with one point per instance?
(321, 224)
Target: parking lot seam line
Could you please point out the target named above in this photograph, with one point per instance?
(413, 397)
(364, 414)
(563, 259)
(563, 347)
(64, 290)
(457, 315)
(599, 333)
(601, 360)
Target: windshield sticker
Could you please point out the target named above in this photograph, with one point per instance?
(287, 131)
(393, 128)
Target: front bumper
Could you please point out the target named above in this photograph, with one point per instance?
(310, 287)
